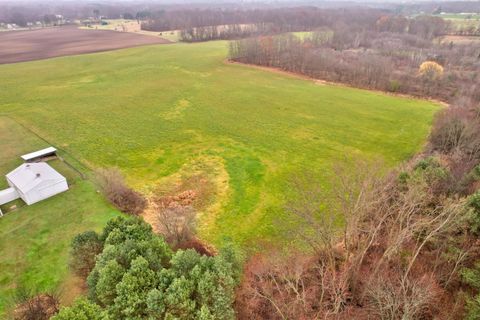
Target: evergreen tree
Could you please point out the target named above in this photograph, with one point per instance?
(137, 276)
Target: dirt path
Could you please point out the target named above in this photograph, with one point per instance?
(19, 46)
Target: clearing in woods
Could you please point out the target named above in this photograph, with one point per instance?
(169, 114)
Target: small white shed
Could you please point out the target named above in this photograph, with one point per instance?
(35, 182)
(30, 157)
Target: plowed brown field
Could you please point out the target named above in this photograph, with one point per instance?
(18, 46)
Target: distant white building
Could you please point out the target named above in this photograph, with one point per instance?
(34, 182)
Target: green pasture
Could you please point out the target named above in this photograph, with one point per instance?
(461, 16)
(162, 113)
(462, 21)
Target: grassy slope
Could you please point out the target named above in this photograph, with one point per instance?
(34, 240)
(154, 111)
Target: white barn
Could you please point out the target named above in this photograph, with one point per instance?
(34, 182)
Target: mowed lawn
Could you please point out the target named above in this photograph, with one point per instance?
(160, 113)
(35, 240)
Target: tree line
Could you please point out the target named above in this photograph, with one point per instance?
(211, 24)
(385, 57)
(284, 19)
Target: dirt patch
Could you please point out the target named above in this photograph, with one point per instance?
(194, 191)
(19, 46)
(72, 288)
(173, 209)
(183, 199)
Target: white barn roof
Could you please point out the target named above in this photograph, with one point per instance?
(29, 175)
(39, 153)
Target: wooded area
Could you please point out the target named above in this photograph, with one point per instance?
(383, 53)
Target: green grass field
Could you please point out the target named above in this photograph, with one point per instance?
(160, 113)
(462, 21)
(459, 16)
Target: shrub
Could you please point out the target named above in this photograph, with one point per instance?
(112, 185)
(475, 202)
(456, 129)
(177, 225)
(394, 86)
(476, 173)
(403, 177)
(431, 70)
(473, 308)
(429, 162)
(39, 307)
(85, 248)
(434, 174)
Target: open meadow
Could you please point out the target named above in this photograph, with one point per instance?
(180, 118)
(462, 21)
(165, 113)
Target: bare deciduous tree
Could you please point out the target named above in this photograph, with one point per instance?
(176, 224)
(392, 299)
(379, 259)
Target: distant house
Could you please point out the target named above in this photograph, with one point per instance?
(34, 182)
